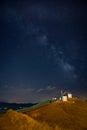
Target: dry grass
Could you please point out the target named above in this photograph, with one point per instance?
(70, 115)
(17, 121)
(13, 120)
(55, 116)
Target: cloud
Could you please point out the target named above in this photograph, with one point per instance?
(50, 87)
(26, 95)
(40, 90)
(16, 94)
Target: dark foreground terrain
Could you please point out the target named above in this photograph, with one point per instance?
(71, 115)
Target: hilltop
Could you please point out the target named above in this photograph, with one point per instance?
(71, 115)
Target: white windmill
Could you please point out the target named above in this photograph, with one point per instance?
(69, 95)
(63, 96)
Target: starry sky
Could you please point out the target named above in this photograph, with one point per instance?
(43, 49)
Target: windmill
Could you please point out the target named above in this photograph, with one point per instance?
(63, 96)
(63, 93)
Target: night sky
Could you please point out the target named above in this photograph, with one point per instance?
(43, 49)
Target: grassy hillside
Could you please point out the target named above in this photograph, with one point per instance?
(71, 115)
(13, 120)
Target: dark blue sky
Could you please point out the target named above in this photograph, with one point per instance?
(42, 49)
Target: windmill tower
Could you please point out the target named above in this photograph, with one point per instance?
(64, 96)
(69, 95)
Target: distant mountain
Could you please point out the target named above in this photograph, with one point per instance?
(5, 106)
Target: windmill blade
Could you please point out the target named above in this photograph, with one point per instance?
(64, 93)
(61, 93)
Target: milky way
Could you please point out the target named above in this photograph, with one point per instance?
(42, 50)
